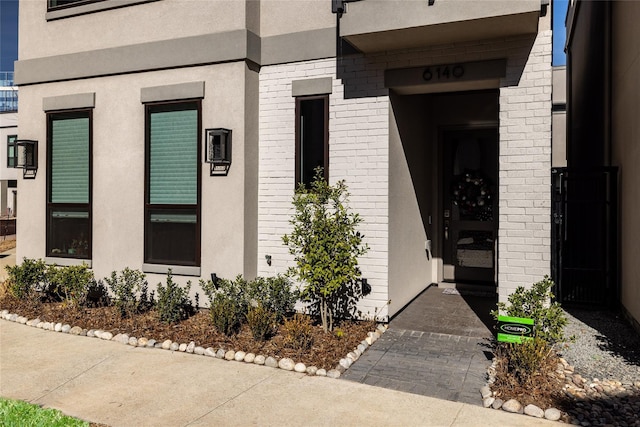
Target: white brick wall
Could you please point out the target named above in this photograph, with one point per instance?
(359, 153)
(524, 240)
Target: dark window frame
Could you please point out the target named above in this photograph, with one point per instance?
(298, 136)
(68, 4)
(52, 115)
(12, 161)
(154, 107)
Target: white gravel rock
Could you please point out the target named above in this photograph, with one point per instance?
(286, 364)
(239, 357)
(552, 414)
(534, 411)
(300, 367)
(333, 373)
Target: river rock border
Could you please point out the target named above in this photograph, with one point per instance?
(285, 363)
(587, 396)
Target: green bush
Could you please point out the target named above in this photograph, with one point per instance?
(535, 303)
(25, 278)
(126, 286)
(298, 332)
(261, 321)
(226, 315)
(174, 303)
(326, 245)
(71, 283)
(274, 294)
(98, 295)
(229, 303)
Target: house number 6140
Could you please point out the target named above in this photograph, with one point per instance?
(443, 72)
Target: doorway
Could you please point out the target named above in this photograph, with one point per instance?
(470, 203)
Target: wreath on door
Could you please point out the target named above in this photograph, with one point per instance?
(472, 193)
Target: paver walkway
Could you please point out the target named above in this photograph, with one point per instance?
(435, 347)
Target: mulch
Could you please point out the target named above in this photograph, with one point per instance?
(326, 351)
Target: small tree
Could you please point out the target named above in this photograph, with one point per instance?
(326, 246)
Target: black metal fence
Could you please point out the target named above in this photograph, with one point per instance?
(584, 231)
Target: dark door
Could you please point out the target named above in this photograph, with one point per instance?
(470, 205)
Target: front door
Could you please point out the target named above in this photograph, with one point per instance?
(470, 205)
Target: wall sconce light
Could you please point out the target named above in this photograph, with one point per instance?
(214, 280)
(218, 151)
(27, 157)
(268, 258)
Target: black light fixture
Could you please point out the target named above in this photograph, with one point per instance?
(214, 280)
(27, 158)
(218, 151)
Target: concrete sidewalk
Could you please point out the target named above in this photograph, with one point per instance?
(120, 385)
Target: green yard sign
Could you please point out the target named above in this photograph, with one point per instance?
(514, 329)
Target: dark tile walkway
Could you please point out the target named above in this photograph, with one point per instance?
(435, 347)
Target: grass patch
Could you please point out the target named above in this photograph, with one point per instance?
(22, 414)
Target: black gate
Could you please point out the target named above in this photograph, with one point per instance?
(584, 230)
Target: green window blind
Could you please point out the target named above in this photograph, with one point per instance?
(173, 169)
(70, 160)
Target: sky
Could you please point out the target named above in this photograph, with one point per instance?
(559, 31)
(8, 34)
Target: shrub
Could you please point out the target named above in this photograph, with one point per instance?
(174, 304)
(273, 294)
(125, 286)
(298, 332)
(25, 278)
(71, 283)
(226, 315)
(326, 246)
(98, 295)
(229, 302)
(261, 321)
(525, 366)
(535, 303)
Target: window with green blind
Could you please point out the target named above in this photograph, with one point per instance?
(172, 205)
(70, 160)
(69, 184)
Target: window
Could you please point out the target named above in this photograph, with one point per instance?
(172, 188)
(12, 152)
(69, 184)
(312, 137)
(59, 4)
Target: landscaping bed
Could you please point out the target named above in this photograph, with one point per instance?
(326, 351)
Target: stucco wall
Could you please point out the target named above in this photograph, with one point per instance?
(139, 23)
(626, 150)
(118, 169)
